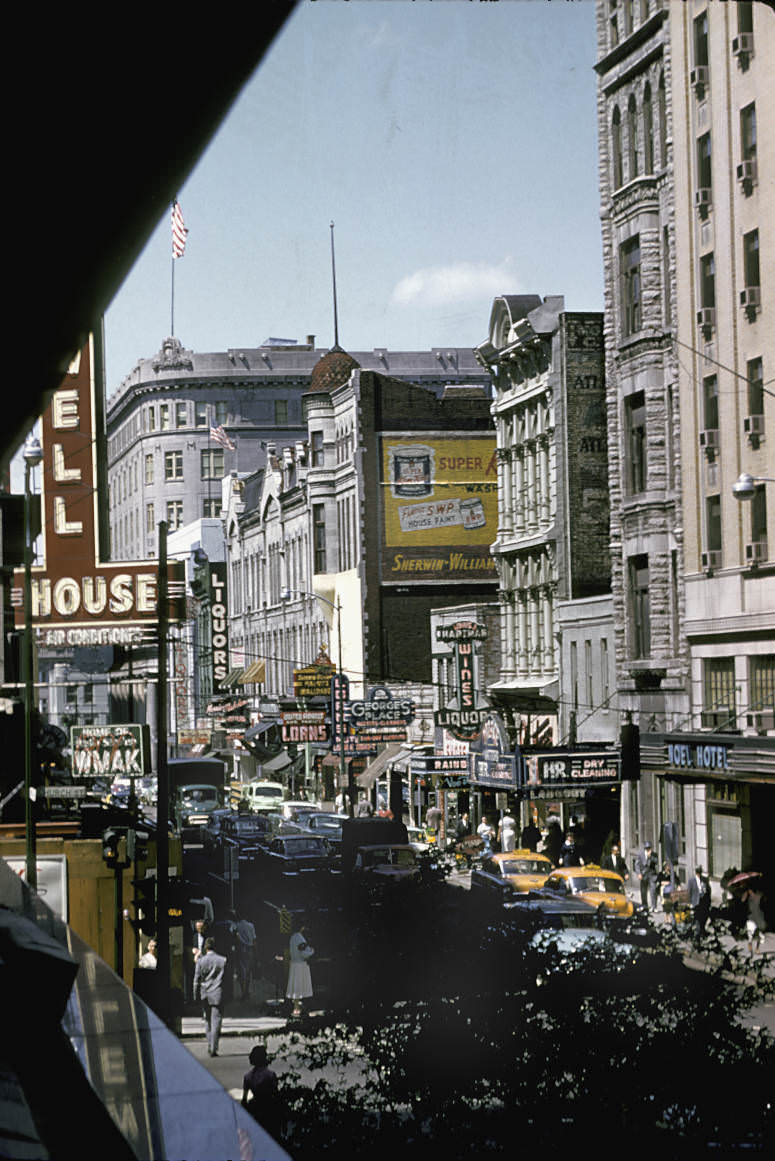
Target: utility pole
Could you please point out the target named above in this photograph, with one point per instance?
(163, 791)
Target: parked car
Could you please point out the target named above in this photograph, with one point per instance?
(603, 889)
(503, 876)
(302, 854)
(329, 826)
(213, 829)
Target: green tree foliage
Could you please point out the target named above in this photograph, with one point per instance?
(471, 1042)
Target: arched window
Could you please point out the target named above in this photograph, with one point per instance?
(616, 148)
(648, 132)
(632, 136)
(662, 116)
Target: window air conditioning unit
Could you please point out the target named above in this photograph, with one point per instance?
(711, 560)
(753, 425)
(703, 199)
(706, 319)
(751, 300)
(761, 720)
(709, 439)
(746, 174)
(756, 551)
(698, 78)
(742, 47)
(717, 719)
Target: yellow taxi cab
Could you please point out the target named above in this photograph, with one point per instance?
(518, 871)
(594, 885)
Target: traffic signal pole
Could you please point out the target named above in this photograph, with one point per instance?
(163, 793)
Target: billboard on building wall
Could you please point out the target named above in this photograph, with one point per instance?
(440, 508)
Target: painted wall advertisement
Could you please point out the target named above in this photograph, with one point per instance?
(440, 506)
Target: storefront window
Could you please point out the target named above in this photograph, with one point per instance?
(726, 841)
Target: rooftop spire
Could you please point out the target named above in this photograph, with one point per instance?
(333, 277)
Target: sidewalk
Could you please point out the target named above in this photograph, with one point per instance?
(263, 1011)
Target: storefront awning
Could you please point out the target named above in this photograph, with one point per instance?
(254, 673)
(257, 731)
(274, 765)
(378, 765)
(233, 677)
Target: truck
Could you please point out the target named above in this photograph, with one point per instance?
(197, 788)
(377, 851)
(261, 796)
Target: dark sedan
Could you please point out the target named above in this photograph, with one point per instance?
(327, 826)
(291, 855)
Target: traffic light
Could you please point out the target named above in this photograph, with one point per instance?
(145, 905)
(111, 844)
(137, 845)
(630, 743)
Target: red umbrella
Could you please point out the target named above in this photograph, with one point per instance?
(744, 878)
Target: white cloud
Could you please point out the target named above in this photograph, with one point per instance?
(457, 283)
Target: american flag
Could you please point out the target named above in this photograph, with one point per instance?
(179, 231)
(220, 436)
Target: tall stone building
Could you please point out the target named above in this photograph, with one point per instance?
(637, 200)
(687, 177)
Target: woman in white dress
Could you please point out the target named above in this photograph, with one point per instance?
(299, 978)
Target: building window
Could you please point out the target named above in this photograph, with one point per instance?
(632, 136)
(211, 463)
(319, 537)
(635, 436)
(755, 375)
(221, 412)
(640, 616)
(648, 131)
(713, 523)
(701, 40)
(150, 521)
(704, 179)
(744, 16)
(710, 402)
(616, 148)
(667, 297)
(201, 415)
(662, 119)
(613, 24)
(152, 418)
(605, 676)
(211, 508)
(759, 515)
(751, 258)
(317, 449)
(164, 416)
(281, 412)
(149, 469)
(708, 281)
(174, 514)
(589, 674)
(748, 132)
(173, 465)
(761, 682)
(627, 15)
(574, 675)
(718, 694)
(181, 414)
(629, 254)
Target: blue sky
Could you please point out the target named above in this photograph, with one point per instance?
(452, 142)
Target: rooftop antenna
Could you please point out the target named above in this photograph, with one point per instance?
(333, 277)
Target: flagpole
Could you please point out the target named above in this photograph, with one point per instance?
(172, 299)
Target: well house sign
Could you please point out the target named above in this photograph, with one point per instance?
(77, 597)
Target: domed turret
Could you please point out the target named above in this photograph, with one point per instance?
(332, 370)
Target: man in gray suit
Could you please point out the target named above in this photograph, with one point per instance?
(209, 979)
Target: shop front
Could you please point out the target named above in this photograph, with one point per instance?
(580, 789)
(717, 798)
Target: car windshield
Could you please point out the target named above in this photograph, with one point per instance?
(524, 867)
(311, 846)
(596, 883)
(327, 824)
(200, 794)
(557, 922)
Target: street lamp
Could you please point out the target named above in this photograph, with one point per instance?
(33, 455)
(286, 595)
(744, 487)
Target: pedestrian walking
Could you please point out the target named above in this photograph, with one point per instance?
(569, 855)
(699, 899)
(755, 923)
(259, 1091)
(463, 828)
(507, 832)
(486, 833)
(615, 862)
(364, 809)
(246, 954)
(149, 958)
(530, 837)
(553, 842)
(209, 988)
(299, 987)
(647, 870)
